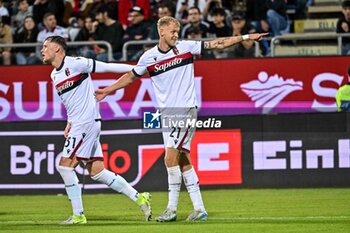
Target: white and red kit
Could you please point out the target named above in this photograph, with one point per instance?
(73, 83)
(172, 75)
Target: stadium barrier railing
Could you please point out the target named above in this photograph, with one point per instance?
(150, 42)
(70, 44)
(274, 42)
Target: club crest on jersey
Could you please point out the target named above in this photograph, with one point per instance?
(176, 51)
(67, 71)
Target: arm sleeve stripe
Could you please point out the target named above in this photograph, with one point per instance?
(136, 74)
(93, 66)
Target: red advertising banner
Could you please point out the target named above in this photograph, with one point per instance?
(224, 87)
(30, 158)
(217, 155)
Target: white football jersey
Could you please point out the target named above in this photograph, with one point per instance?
(73, 83)
(172, 73)
(57, 31)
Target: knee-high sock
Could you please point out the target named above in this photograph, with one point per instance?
(73, 189)
(192, 184)
(117, 183)
(174, 184)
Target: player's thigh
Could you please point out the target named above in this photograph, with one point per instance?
(91, 149)
(69, 162)
(83, 142)
(179, 131)
(95, 167)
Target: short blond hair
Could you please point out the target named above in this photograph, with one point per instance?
(166, 20)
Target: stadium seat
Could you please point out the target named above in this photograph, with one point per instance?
(306, 50)
(325, 6)
(315, 25)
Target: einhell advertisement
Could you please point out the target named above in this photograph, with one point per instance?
(297, 150)
(248, 151)
(224, 87)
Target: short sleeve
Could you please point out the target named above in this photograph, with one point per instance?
(141, 66)
(195, 47)
(85, 65)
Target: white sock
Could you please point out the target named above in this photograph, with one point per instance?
(73, 189)
(192, 184)
(117, 183)
(174, 183)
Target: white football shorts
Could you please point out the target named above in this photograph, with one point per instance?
(83, 142)
(178, 128)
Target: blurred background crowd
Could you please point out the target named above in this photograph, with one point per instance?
(117, 22)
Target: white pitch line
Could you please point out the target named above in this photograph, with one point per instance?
(279, 218)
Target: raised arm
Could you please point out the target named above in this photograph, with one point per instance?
(122, 82)
(225, 42)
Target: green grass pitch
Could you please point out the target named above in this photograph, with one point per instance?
(243, 210)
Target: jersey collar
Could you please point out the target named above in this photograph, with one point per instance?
(161, 51)
(61, 64)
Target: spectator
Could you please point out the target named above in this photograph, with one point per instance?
(155, 4)
(123, 15)
(219, 28)
(162, 11)
(256, 14)
(194, 18)
(183, 7)
(343, 26)
(5, 38)
(113, 6)
(241, 26)
(76, 9)
(86, 34)
(24, 10)
(50, 29)
(136, 30)
(277, 17)
(108, 30)
(196, 34)
(4, 13)
(210, 6)
(27, 34)
(41, 7)
(3, 10)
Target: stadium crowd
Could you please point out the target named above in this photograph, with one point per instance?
(117, 22)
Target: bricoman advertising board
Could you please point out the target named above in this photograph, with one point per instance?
(30, 154)
(224, 87)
